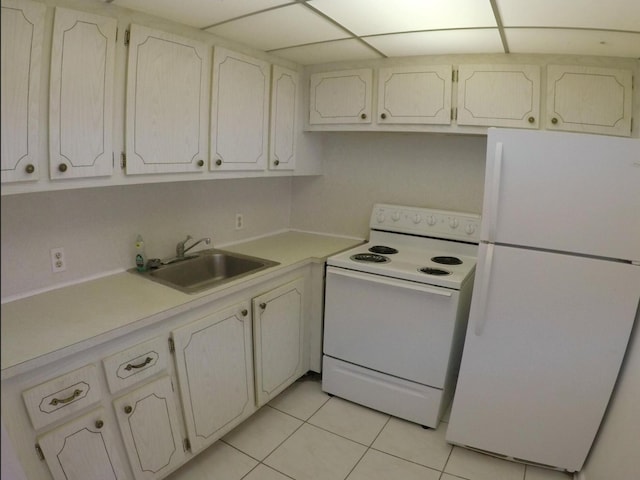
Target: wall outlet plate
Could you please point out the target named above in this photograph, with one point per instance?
(58, 262)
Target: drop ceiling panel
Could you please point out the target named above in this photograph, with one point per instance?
(199, 13)
(280, 28)
(370, 17)
(337, 51)
(573, 42)
(610, 14)
(438, 42)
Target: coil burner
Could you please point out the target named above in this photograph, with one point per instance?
(434, 271)
(382, 249)
(446, 260)
(369, 257)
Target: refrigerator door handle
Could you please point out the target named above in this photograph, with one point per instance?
(494, 193)
(481, 320)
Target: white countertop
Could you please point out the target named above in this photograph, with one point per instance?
(60, 322)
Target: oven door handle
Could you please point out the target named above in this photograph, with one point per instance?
(389, 281)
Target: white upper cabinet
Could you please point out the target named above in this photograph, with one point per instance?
(81, 95)
(21, 43)
(341, 97)
(499, 95)
(589, 100)
(239, 111)
(282, 135)
(166, 127)
(417, 95)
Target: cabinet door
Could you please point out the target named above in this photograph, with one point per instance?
(82, 449)
(21, 43)
(166, 103)
(278, 339)
(282, 138)
(215, 372)
(340, 97)
(149, 425)
(239, 112)
(499, 95)
(81, 95)
(415, 95)
(589, 100)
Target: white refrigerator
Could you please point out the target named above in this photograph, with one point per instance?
(557, 292)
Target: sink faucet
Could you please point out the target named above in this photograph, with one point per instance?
(180, 247)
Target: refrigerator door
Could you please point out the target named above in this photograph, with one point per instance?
(563, 191)
(546, 337)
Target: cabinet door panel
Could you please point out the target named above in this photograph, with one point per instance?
(340, 97)
(278, 339)
(21, 43)
(149, 425)
(499, 95)
(81, 94)
(82, 449)
(415, 95)
(284, 90)
(589, 99)
(215, 372)
(166, 109)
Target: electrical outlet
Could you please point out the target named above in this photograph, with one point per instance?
(58, 262)
(239, 221)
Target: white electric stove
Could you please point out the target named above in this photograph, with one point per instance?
(396, 310)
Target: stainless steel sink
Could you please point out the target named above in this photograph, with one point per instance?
(206, 269)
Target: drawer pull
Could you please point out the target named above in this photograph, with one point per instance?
(76, 393)
(140, 365)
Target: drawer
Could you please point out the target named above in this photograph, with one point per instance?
(62, 396)
(135, 364)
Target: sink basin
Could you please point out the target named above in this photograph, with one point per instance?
(207, 269)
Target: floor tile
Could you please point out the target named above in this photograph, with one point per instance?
(259, 435)
(537, 473)
(302, 399)
(380, 466)
(262, 472)
(218, 462)
(476, 466)
(315, 454)
(350, 420)
(412, 442)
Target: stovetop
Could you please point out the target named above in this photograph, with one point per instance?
(427, 246)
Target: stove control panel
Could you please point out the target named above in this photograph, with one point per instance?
(447, 224)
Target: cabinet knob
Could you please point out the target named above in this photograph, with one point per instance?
(218, 162)
(244, 312)
(128, 409)
(30, 168)
(99, 424)
(62, 167)
(554, 120)
(200, 163)
(363, 116)
(263, 305)
(276, 162)
(383, 116)
(531, 119)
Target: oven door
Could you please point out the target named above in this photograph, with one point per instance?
(397, 327)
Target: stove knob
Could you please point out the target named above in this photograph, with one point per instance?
(380, 217)
(470, 228)
(395, 216)
(431, 220)
(417, 218)
(453, 222)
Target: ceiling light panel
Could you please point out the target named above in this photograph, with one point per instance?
(612, 14)
(573, 42)
(371, 17)
(336, 51)
(442, 42)
(283, 27)
(199, 13)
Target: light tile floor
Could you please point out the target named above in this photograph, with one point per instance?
(305, 434)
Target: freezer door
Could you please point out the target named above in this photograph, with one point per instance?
(563, 191)
(546, 337)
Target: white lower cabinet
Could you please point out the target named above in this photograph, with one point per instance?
(149, 425)
(278, 333)
(83, 449)
(214, 362)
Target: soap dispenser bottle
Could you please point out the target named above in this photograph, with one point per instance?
(140, 256)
